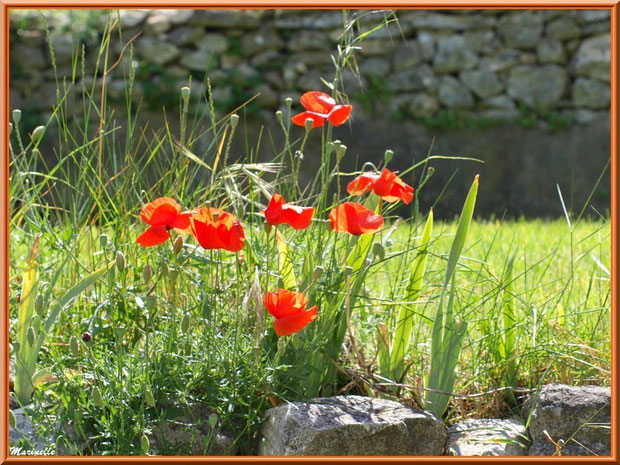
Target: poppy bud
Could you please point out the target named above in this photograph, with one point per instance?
(308, 124)
(96, 396)
(234, 120)
(74, 345)
(120, 332)
(12, 419)
(150, 301)
(103, 241)
(337, 144)
(86, 336)
(10, 128)
(17, 116)
(388, 155)
(120, 261)
(164, 270)
(267, 228)
(212, 420)
(173, 274)
(378, 250)
(177, 246)
(36, 153)
(288, 101)
(144, 444)
(328, 148)
(30, 336)
(185, 93)
(38, 304)
(368, 262)
(16, 347)
(348, 271)
(147, 273)
(37, 134)
(279, 116)
(341, 151)
(216, 216)
(318, 272)
(148, 397)
(35, 321)
(185, 323)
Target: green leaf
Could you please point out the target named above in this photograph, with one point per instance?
(404, 324)
(285, 262)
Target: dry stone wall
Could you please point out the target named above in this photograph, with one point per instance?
(491, 64)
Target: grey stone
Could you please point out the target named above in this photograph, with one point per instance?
(521, 29)
(391, 30)
(27, 57)
(578, 415)
(63, 48)
(376, 47)
(537, 86)
(427, 44)
(268, 98)
(157, 51)
(499, 102)
(268, 58)
(601, 27)
(375, 66)
(213, 42)
(242, 19)
(191, 431)
(500, 62)
(453, 94)
(323, 20)
(419, 78)
(481, 41)
(452, 55)
(551, 51)
(176, 17)
(274, 79)
(264, 39)
(24, 429)
(351, 425)
(585, 116)
(200, 60)
(132, 18)
(423, 105)
(185, 35)
(593, 58)
(564, 28)
(591, 93)
(590, 16)
(487, 437)
(527, 58)
(31, 37)
(157, 24)
(231, 61)
(483, 83)
(310, 81)
(312, 58)
(425, 19)
(407, 54)
(307, 40)
(572, 46)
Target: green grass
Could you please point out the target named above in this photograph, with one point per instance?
(203, 340)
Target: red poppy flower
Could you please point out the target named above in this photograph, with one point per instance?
(388, 186)
(353, 218)
(162, 214)
(288, 309)
(278, 212)
(321, 107)
(391, 188)
(216, 229)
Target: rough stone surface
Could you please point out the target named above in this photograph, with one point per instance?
(407, 54)
(578, 415)
(591, 93)
(351, 425)
(453, 94)
(24, 429)
(551, 51)
(157, 51)
(200, 60)
(452, 55)
(564, 28)
(487, 437)
(522, 29)
(482, 83)
(593, 58)
(539, 87)
(423, 105)
(191, 434)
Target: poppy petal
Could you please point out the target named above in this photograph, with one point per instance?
(353, 218)
(362, 184)
(392, 188)
(317, 102)
(182, 223)
(339, 114)
(274, 209)
(317, 118)
(294, 323)
(161, 211)
(155, 235)
(297, 217)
